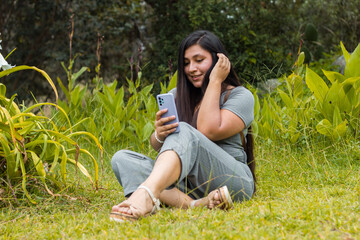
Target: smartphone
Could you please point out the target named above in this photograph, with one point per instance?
(167, 100)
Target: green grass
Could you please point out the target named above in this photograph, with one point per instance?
(303, 193)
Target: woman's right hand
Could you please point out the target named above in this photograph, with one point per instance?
(221, 69)
(161, 129)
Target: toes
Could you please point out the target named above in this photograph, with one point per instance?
(125, 210)
(122, 208)
(118, 209)
(115, 208)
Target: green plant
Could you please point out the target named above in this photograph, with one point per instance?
(74, 92)
(34, 147)
(339, 101)
(132, 118)
(115, 114)
(285, 113)
(297, 111)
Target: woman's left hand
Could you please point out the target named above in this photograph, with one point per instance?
(221, 69)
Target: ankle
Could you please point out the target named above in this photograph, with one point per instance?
(194, 203)
(151, 198)
(152, 188)
(202, 202)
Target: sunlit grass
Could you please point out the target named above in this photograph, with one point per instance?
(303, 193)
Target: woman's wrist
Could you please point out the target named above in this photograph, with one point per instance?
(215, 81)
(157, 138)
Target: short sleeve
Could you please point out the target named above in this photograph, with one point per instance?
(241, 102)
(173, 92)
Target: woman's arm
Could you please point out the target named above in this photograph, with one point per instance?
(214, 123)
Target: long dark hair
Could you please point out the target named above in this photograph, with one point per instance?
(188, 96)
(249, 149)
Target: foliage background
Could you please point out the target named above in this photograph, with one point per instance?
(262, 36)
(307, 148)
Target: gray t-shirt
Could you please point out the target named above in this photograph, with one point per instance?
(241, 102)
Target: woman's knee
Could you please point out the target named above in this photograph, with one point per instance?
(186, 134)
(187, 131)
(185, 126)
(119, 158)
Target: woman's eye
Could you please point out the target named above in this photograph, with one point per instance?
(199, 60)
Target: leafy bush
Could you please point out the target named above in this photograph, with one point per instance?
(34, 147)
(123, 116)
(296, 110)
(339, 101)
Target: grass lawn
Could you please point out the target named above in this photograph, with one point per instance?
(303, 193)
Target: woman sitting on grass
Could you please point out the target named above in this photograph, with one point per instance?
(208, 154)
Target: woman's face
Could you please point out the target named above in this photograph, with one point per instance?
(197, 62)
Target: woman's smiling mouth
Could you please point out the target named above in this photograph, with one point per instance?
(196, 78)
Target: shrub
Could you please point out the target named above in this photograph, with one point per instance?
(115, 115)
(34, 147)
(297, 111)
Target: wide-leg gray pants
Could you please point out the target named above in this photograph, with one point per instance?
(205, 166)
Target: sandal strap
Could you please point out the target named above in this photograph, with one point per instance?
(220, 195)
(153, 198)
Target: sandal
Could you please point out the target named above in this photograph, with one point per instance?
(122, 217)
(225, 198)
(226, 202)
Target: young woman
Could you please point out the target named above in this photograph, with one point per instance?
(207, 163)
